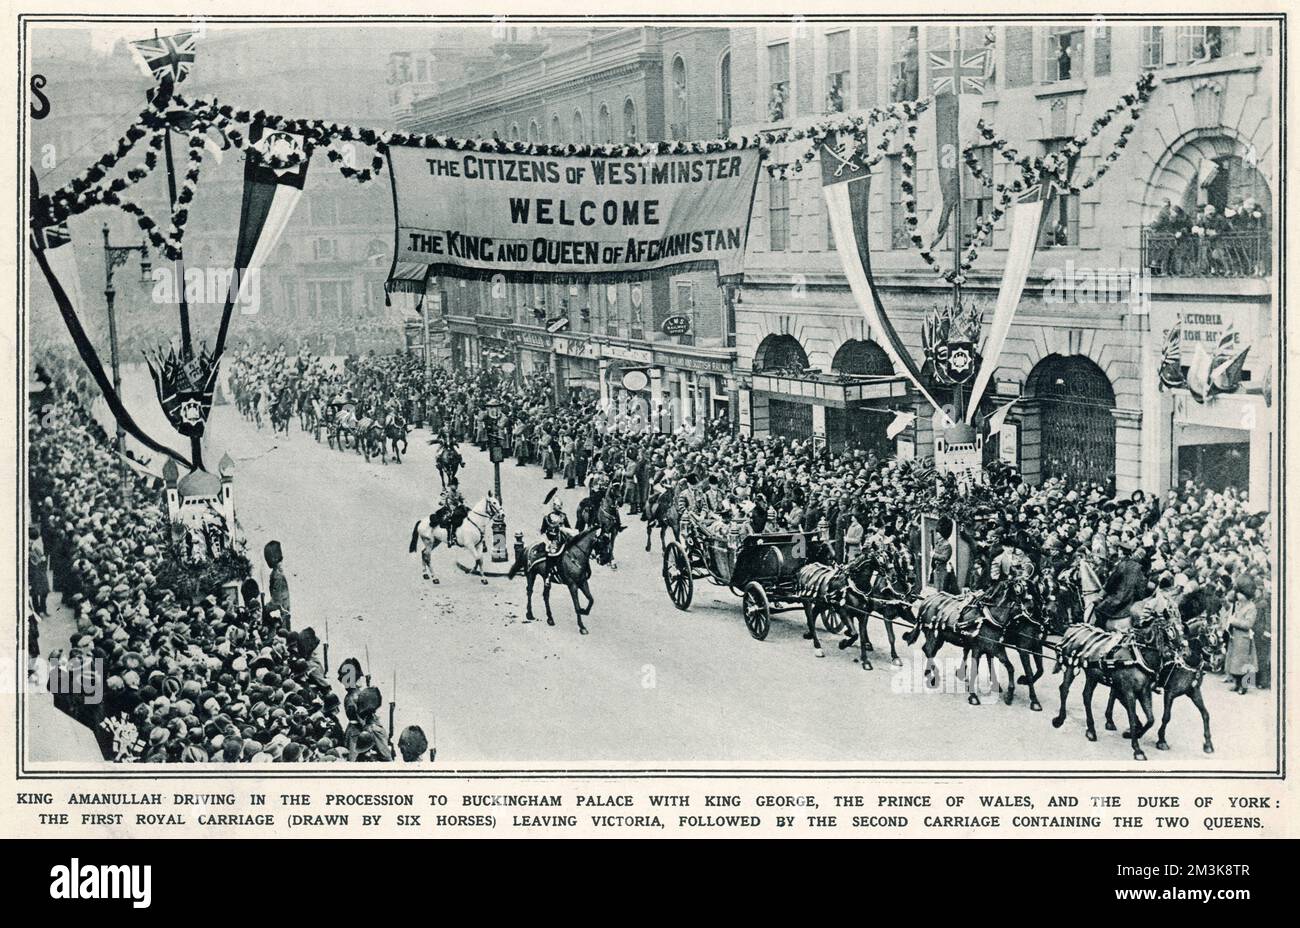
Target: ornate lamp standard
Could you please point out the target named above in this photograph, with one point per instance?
(115, 255)
(497, 453)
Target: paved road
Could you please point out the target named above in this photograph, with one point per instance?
(650, 685)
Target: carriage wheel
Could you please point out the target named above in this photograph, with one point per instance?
(832, 621)
(677, 576)
(758, 613)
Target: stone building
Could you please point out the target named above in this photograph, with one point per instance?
(1082, 356)
(616, 85)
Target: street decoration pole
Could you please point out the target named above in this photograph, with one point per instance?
(115, 255)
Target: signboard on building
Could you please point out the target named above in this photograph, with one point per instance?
(534, 340)
(676, 325)
(527, 216)
(1009, 443)
(1204, 326)
(693, 362)
(636, 355)
(577, 348)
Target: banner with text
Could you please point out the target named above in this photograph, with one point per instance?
(536, 218)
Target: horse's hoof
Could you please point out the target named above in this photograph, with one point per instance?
(1139, 756)
(897, 662)
(1022, 680)
(866, 665)
(973, 699)
(807, 636)
(550, 621)
(582, 630)
(1209, 748)
(845, 643)
(435, 580)
(1162, 745)
(1110, 726)
(1126, 735)
(818, 652)
(1090, 734)
(483, 580)
(870, 647)
(1009, 698)
(1036, 706)
(1057, 723)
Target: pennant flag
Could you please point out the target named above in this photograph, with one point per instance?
(275, 169)
(952, 74)
(901, 421)
(1226, 365)
(1025, 219)
(999, 416)
(169, 56)
(56, 241)
(36, 244)
(846, 185)
(1171, 359)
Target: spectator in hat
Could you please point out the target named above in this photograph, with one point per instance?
(1241, 633)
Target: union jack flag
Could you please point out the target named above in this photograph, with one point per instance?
(950, 74)
(170, 55)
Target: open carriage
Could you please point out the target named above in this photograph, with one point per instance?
(762, 570)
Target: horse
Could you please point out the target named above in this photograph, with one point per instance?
(395, 429)
(573, 569)
(662, 511)
(342, 427)
(306, 410)
(473, 532)
(943, 616)
(872, 588)
(1127, 662)
(449, 462)
(370, 439)
(1179, 677)
(607, 518)
(282, 411)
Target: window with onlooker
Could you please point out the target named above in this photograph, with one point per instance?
(976, 194)
(629, 122)
(905, 66)
(1153, 46)
(1063, 54)
(557, 132)
(778, 214)
(579, 129)
(605, 125)
(778, 82)
(837, 71)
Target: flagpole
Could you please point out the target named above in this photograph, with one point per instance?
(182, 305)
(954, 40)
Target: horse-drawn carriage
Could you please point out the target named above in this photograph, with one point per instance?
(762, 570)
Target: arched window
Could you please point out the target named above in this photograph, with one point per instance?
(862, 357)
(557, 131)
(629, 121)
(605, 125)
(1070, 403)
(579, 130)
(724, 94)
(780, 353)
(680, 101)
(514, 132)
(534, 131)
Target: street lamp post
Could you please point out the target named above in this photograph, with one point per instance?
(113, 256)
(496, 452)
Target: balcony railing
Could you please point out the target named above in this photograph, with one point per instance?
(1245, 253)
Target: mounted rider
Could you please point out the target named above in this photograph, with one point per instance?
(452, 511)
(1009, 571)
(555, 528)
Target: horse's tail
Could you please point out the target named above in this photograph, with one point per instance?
(415, 538)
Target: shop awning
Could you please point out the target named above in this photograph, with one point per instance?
(830, 389)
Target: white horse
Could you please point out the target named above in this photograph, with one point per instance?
(472, 534)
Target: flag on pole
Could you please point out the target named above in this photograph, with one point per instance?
(1226, 366)
(1171, 359)
(999, 416)
(168, 56)
(846, 185)
(901, 421)
(952, 74)
(1198, 375)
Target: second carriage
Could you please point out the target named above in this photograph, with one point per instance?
(762, 569)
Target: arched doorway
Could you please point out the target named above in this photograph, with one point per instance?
(782, 354)
(861, 427)
(1070, 404)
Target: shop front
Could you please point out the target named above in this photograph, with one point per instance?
(577, 368)
(697, 386)
(463, 338)
(534, 352)
(846, 413)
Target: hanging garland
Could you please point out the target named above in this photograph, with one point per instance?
(894, 116)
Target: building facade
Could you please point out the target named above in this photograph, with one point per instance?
(1104, 288)
(617, 85)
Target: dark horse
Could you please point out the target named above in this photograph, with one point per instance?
(1180, 677)
(873, 587)
(395, 433)
(663, 512)
(449, 462)
(981, 631)
(573, 569)
(605, 517)
(1127, 662)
